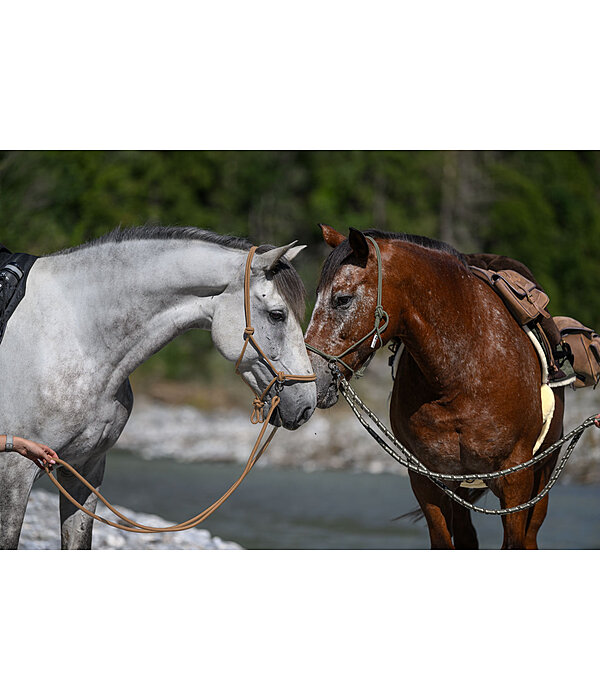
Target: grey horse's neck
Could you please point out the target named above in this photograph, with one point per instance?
(129, 299)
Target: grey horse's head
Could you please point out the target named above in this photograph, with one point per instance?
(276, 308)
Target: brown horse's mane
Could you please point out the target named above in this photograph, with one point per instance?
(343, 252)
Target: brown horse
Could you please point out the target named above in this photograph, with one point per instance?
(466, 397)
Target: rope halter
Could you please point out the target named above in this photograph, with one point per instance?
(382, 320)
(279, 377)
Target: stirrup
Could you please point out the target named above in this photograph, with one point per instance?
(561, 373)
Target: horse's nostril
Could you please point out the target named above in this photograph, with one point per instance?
(306, 414)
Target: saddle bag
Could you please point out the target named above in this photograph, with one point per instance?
(523, 298)
(585, 346)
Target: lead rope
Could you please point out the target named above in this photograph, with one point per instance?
(188, 524)
(256, 417)
(408, 460)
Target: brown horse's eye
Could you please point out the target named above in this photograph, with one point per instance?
(342, 301)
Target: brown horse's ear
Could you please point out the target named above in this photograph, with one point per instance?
(332, 237)
(358, 243)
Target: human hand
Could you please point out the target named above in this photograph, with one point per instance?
(41, 455)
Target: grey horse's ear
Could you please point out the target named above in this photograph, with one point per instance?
(267, 261)
(358, 243)
(292, 252)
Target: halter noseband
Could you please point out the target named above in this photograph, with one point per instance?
(279, 378)
(380, 315)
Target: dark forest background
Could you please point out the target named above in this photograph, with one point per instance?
(541, 207)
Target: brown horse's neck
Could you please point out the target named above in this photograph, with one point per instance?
(433, 309)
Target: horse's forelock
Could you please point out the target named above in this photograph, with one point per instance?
(289, 285)
(332, 264)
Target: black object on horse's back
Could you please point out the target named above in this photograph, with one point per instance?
(14, 269)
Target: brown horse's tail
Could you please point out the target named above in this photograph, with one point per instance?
(471, 495)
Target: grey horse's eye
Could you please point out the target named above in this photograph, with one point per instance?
(342, 301)
(277, 316)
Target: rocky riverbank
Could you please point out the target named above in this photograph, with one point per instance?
(41, 530)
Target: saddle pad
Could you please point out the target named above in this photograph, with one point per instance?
(14, 269)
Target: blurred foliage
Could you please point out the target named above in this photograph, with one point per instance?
(540, 207)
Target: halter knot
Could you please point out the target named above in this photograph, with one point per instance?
(281, 377)
(258, 414)
(248, 330)
(379, 311)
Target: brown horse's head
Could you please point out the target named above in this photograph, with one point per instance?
(345, 309)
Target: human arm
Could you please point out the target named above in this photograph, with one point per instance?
(39, 454)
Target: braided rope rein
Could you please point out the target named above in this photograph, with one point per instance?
(408, 460)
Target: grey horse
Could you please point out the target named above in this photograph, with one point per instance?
(94, 313)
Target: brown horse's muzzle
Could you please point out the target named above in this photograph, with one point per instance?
(327, 383)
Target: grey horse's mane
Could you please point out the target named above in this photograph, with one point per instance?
(152, 232)
(286, 279)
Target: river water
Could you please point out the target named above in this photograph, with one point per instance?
(291, 509)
